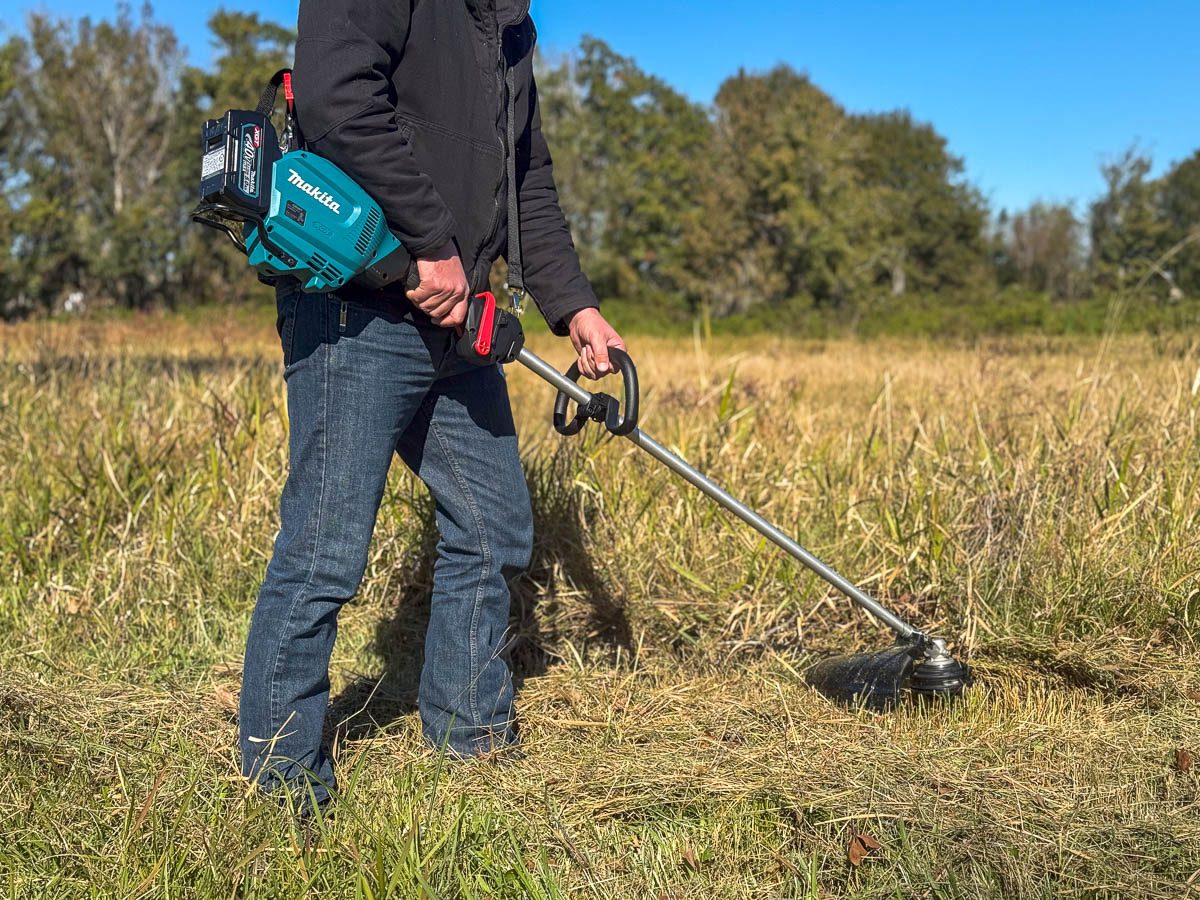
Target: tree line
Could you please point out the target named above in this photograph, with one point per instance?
(773, 198)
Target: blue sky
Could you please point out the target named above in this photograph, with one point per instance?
(1033, 95)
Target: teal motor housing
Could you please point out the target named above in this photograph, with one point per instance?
(323, 229)
(299, 214)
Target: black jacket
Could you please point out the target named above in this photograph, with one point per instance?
(409, 98)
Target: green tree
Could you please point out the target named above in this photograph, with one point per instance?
(781, 212)
(96, 202)
(1179, 202)
(930, 233)
(11, 135)
(247, 51)
(625, 147)
(1127, 229)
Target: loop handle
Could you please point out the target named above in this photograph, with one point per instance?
(620, 419)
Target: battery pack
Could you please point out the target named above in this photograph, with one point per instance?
(240, 152)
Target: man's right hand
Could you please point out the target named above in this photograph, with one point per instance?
(443, 290)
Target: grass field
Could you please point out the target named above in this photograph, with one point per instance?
(1039, 500)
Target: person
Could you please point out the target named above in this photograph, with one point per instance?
(432, 107)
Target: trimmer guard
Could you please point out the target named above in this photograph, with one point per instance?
(874, 680)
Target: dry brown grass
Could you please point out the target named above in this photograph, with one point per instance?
(1036, 499)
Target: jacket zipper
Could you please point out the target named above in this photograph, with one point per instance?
(501, 93)
(496, 200)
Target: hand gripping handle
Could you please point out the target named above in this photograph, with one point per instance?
(617, 418)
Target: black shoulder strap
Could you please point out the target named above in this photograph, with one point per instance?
(291, 138)
(266, 103)
(516, 270)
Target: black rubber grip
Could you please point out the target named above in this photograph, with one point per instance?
(633, 394)
(561, 402)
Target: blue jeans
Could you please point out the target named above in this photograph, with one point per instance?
(362, 384)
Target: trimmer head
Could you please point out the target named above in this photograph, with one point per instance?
(921, 670)
(938, 675)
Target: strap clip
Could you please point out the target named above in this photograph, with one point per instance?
(516, 298)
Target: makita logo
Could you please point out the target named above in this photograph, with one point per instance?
(322, 197)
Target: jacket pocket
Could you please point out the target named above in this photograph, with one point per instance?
(466, 173)
(411, 124)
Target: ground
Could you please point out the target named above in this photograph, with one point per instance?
(1035, 500)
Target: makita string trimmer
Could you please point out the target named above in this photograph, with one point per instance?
(295, 214)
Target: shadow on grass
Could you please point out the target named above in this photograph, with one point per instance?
(560, 598)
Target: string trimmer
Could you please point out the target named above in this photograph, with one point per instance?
(301, 216)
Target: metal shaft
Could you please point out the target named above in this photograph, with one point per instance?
(697, 479)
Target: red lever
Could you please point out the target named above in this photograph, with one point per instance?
(487, 323)
(287, 92)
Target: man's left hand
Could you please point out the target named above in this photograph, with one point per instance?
(591, 336)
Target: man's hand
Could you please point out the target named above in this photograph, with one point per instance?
(592, 336)
(443, 290)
